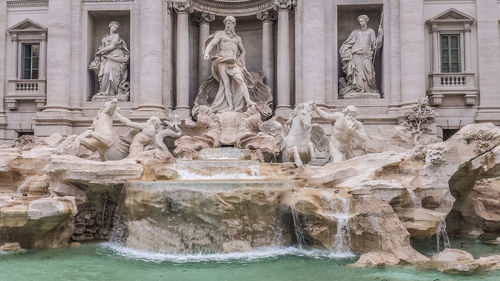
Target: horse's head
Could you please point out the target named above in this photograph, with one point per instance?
(303, 112)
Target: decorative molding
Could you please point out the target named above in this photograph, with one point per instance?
(451, 16)
(232, 8)
(26, 26)
(204, 17)
(94, 1)
(267, 15)
(27, 3)
(181, 6)
(284, 4)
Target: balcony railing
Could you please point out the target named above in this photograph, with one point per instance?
(445, 84)
(28, 90)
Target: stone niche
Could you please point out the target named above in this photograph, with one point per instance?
(249, 28)
(98, 27)
(347, 22)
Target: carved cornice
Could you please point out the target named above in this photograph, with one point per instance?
(267, 15)
(232, 8)
(27, 3)
(284, 4)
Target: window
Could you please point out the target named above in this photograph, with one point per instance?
(30, 54)
(450, 53)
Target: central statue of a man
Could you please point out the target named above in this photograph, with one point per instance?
(228, 68)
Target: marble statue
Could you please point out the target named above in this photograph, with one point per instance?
(144, 136)
(228, 68)
(357, 55)
(110, 65)
(298, 146)
(99, 137)
(347, 132)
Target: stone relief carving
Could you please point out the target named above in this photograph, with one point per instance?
(232, 87)
(357, 55)
(110, 65)
(347, 133)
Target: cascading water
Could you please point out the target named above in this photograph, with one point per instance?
(417, 203)
(442, 235)
(298, 229)
(217, 170)
(342, 238)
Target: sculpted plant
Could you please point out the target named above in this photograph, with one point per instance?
(418, 118)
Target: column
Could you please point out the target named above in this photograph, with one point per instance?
(3, 26)
(468, 51)
(182, 61)
(58, 55)
(150, 55)
(412, 50)
(43, 58)
(283, 71)
(435, 49)
(14, 59)
(314, 50)
(168, 70)
(489, 60)
(267, 18)
(204, 65)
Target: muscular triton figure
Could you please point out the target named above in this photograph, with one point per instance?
(228, 67)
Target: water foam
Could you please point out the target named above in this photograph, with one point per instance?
(258, 254)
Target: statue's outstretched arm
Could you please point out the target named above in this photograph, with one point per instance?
(323, 115)
(128, 122)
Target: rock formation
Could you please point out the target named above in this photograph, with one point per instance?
(372, 203)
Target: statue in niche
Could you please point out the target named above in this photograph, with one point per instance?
(232, 88)
(357, 55)
(228, 67)
(347, 133)
(110, 65)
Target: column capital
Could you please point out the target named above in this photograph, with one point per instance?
(267, 15)
(284, 4)
(204, 18)
(181, 6)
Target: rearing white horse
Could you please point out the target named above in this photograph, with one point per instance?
(298, 145)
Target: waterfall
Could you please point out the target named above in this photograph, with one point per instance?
(342, 238)
(342, 242)
(442, 235)
(417, 203)
(297, 227)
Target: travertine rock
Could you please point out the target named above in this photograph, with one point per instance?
(376, 259)
(37, 222)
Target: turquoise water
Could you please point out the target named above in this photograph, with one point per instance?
(113, 262)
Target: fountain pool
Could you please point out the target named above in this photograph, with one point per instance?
(114, 262)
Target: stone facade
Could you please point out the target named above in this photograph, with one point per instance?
(446, 50)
